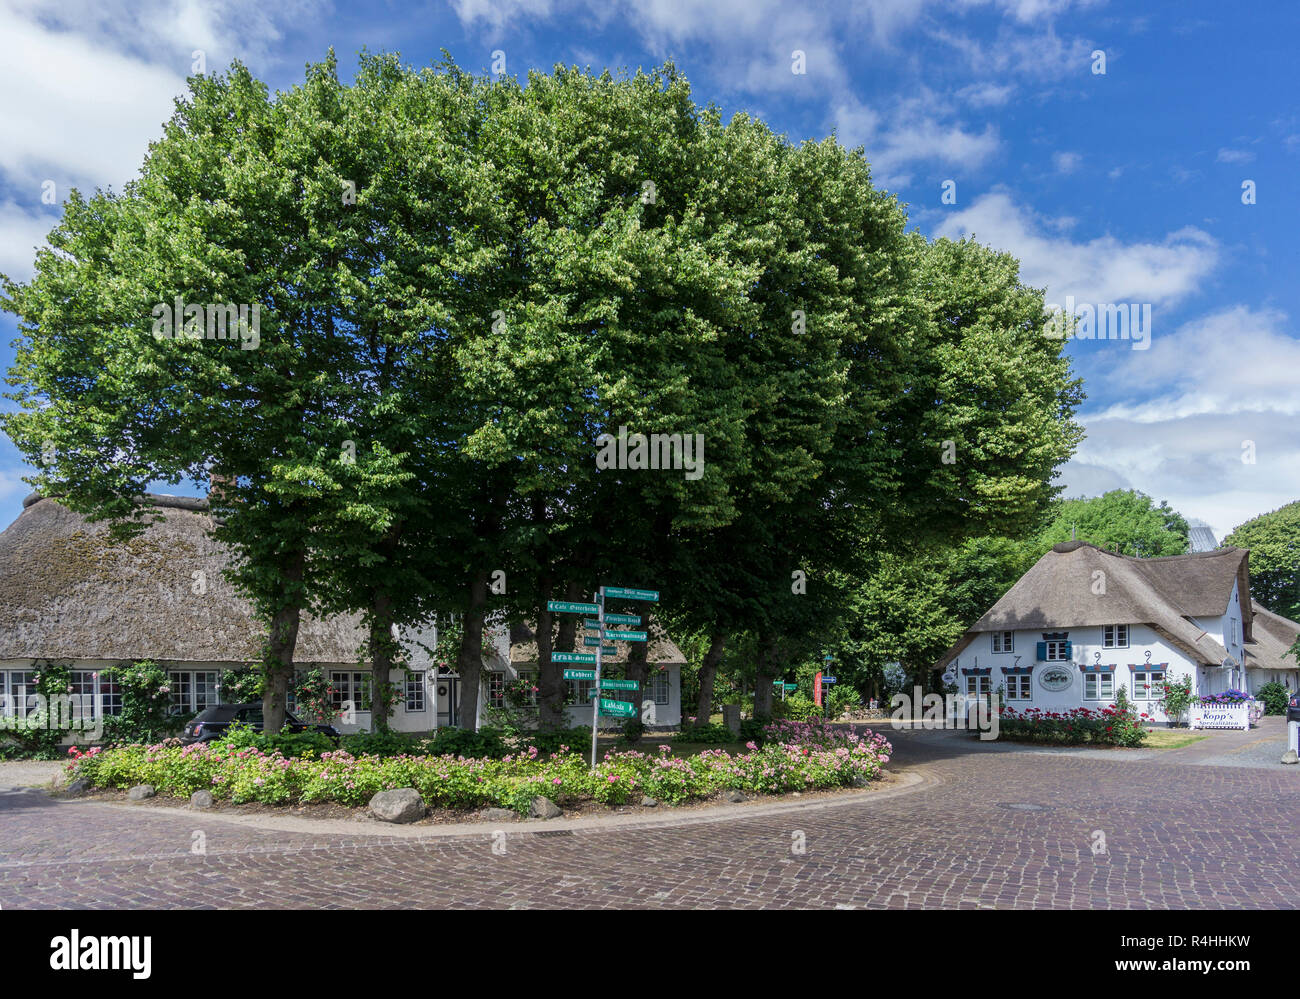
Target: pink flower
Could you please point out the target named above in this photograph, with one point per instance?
(613, 777)
(556, 781)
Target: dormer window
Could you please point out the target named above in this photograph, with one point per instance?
(1114, 636)
(1003, 641)
(1055, 647)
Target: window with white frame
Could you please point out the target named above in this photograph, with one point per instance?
(496, 688)
(1003, 641)
(350, 685)
(1098, 686)
(1056, 650)
(192, 690)
(415, 690)
(1149, 685)
(656, 688)
(1114, 636)
(16, 686)
(1019, 688)
(978, 686)
(585, 689)
(94, 694)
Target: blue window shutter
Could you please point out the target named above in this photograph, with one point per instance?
(1069, 650)
(1042, 652)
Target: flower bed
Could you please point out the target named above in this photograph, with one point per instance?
(1110, 726)
(793, 759)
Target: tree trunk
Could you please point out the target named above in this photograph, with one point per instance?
(766, 673)
(637, 670)
(383, 650)
(469, 660)
(281, 642)
(550, 681)
(708, 673)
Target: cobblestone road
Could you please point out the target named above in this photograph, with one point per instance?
(980, 828)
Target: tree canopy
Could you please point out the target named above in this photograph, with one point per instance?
(1274, 542)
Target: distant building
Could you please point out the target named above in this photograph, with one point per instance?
(68, 593)
(1200, 537)
(1084, 621)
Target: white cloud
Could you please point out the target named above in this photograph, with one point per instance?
(87, 86)
(911, 131)
(1234, 156)
(22, 229)
(1100, 270)
(1066, 162)
(1196, 398)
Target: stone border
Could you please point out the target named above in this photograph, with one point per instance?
(914, 779)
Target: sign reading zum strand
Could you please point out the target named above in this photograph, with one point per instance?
(617, 709)
(579, 674)
(624, 636)
(623, 593)
(573, 657)
(620, 619)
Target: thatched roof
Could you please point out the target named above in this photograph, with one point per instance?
(67, 591)
(1273, 636)
(1063, 590)
(662, 651)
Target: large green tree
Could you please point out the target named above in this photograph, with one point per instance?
(1274, 542)
(1122, 520)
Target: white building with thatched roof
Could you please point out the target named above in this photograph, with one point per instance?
(1084, 621)
(70, 594)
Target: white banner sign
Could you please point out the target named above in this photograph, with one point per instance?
(1220, 716)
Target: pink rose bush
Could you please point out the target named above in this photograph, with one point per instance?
(793, 757)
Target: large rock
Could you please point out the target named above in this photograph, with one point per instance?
(648, 802)
(734, 796)
(201, 799)
(544, 808)
(499, 815)
(77, 788)
(1290, 757)
(140, 792)
(402, 804)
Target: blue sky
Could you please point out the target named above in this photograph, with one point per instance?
(1116, 188)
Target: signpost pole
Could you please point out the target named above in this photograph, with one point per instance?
(595, 696)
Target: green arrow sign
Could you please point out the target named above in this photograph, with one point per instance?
(617, 709)
(573, 657)
(609, 650)
(622, 619)
(568, 607)
(589, 623)
(622, 593)
(625, 636)
(579, 674)
(590, 640)
(619, 684)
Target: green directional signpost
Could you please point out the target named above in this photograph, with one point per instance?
(602, 705)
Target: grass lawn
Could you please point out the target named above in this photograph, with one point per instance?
(1172, 738)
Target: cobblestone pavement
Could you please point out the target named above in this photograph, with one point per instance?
(979, 829)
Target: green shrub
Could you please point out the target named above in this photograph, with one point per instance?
(710, 732)
(382, 744)
(485, 743)
(550, 742)
(146, 704)
(1275, 697)
(633, 729)
(287, 744)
